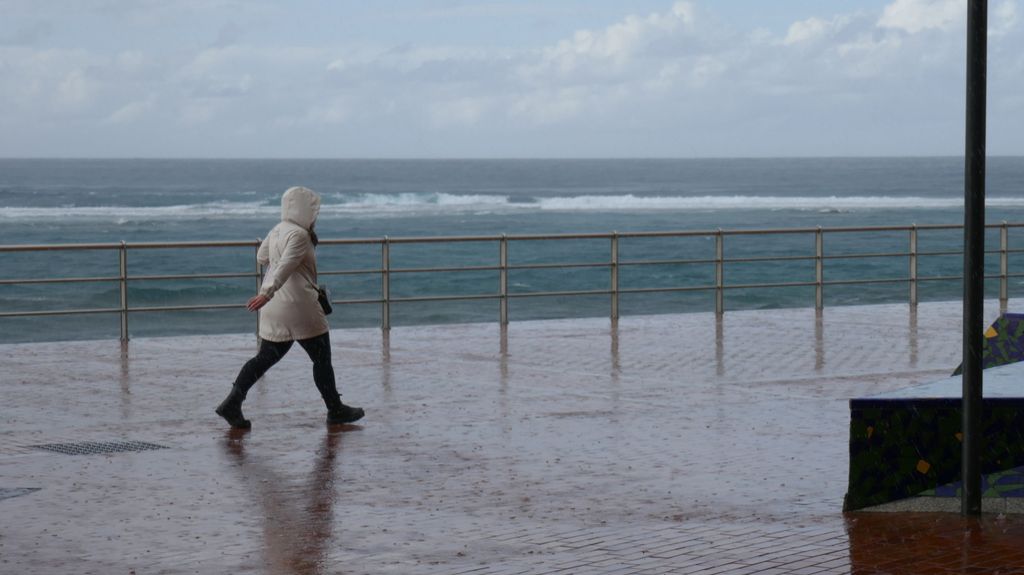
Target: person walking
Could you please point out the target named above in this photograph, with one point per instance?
(290, 311)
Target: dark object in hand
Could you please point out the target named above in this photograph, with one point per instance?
(323, 295)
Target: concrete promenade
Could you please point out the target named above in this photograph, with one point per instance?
(665, 444)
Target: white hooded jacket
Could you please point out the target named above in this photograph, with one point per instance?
(293, 312)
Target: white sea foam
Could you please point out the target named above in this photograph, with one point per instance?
(445, 203)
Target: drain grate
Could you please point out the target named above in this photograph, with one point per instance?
(98, 447)
(7, 493)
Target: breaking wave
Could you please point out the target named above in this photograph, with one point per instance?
(339, 205)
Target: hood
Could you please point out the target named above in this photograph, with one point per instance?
(300, 206)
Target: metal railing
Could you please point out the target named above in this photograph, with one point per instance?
(614, 265)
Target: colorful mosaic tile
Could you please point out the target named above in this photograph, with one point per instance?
(1004, 342)
(904, 447)
(1009, 483)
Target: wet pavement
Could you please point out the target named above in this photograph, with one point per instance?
(662, 444)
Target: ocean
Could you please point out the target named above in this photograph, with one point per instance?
(47, 201)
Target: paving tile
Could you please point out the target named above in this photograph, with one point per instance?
(662, 444)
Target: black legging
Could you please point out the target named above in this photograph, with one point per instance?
(319, 350)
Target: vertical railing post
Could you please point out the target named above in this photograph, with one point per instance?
(819, 269)
(913, 265)
(719, 273)
(503, 280)
(259, 286)
(123, 267)
(615, 276)
(385, 284)
(1004, 267)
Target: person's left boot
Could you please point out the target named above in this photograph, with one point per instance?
(231, 410)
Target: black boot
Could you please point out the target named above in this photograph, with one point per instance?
(337, 412)
(342, 413)
(231, 410)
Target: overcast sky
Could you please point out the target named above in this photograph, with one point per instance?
(529, 78)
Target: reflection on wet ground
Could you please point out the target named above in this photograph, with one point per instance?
(663, 444)
(298, 521)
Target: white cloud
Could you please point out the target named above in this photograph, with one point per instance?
(681, 75)
(132, 111)
(547, 106)
(75, 90)
(913, 16)
(200, 111)
(337, 111)
(1003, 19)
(616, 44)
(463, 111)
(814, 29)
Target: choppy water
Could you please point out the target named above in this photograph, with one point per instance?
(73, 201)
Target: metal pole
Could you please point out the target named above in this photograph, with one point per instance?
(259, 285)
(913, 265)
(719, 273)
(819, 270)
(123, 267)
(503, 280)
(1004, 268)
(974, 253)
(615, 276)
(385, 284)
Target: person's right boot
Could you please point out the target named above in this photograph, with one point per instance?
(339, 413)
(231, 410)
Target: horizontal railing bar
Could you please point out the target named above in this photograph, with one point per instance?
(351, 272)
(868, 255)
(867, 281)
(557, 266)
(166, 245)
(59, 280)
(443, 298)
(544, 237)
(949, 253)
(663, 262)
(490, 238)
(755, 259)
(58, 312)
(558, 293)
(769, 285)
(56, 247)
(939, 278)
(192, 276)
(187, 307)
(357, 301)
(449, 269)
(666, 289)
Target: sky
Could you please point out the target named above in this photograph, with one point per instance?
(499, 79)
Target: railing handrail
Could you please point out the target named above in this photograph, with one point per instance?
(498, 237)
(615, 264)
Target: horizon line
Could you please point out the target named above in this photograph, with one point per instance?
(494, 158)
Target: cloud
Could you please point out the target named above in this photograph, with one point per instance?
(814, 29)
(28, 34)
(548, 106)
(913, 16)
(132, 111)
(458, 112)
(1003, 19)
(681, 79)
(617, 44)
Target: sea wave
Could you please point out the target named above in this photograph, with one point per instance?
(446, 203)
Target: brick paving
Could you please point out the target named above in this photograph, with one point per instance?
(663, 444)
